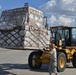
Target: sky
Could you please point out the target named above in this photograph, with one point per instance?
(59, 12)
(8, 4)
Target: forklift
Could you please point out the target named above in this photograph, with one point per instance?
(64, 38)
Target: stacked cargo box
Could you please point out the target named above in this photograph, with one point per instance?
(23, 28)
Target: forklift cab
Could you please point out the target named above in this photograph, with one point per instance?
(64, 33)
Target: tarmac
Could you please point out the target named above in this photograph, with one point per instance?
(15, 62)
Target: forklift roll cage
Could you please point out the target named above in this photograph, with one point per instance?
(65, 33)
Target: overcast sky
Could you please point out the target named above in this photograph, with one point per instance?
(59, 12)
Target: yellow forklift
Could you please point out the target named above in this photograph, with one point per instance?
(64, 37)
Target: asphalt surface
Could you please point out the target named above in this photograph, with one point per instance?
(15, 62)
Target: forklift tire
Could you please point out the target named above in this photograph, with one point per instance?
(74, 60)
(61, 63)
(31, 60)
